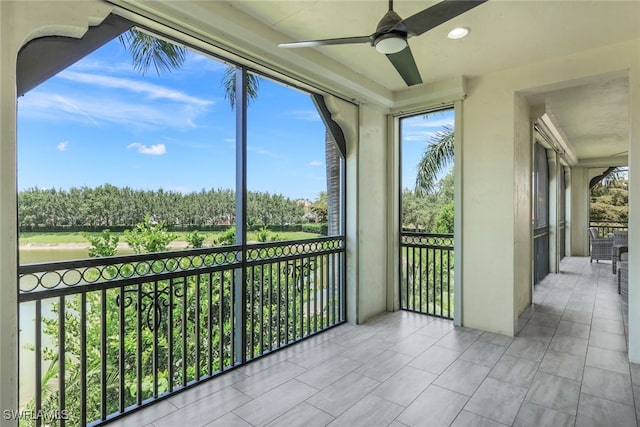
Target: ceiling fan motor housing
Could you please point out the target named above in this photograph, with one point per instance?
(388, 23)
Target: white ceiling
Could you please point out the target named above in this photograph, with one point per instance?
(504, 34)
(594, 118)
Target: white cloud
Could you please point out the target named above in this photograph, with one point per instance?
(62, 146)
(431, 123)
(202, 62)
(110, 67)
(43, 105)
(262, 152)
(150, 90)
(154, 150)
(418, 136)
(304, 115)
(315, 163)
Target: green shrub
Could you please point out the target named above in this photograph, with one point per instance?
(195, 239)
(228, 237)
(321, 229)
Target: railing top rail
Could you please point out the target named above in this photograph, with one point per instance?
(295, 242)
(421, 234)
(122, 259)
(442, 241)
(156, 256)
(96, 273)
(597, 221)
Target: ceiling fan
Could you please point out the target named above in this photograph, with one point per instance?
(392, 33)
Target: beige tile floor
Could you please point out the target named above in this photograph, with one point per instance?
(567, 366)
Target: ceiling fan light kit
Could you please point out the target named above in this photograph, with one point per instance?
(390, 43)
(392, 32)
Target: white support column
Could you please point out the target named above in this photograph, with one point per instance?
(8, 235)
(457, 214)
(579, 207)
(567, 213)
(20, 22)
(634, 213)
(373, 223)
(393, 213)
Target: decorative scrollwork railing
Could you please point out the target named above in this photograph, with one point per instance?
(113, 334)
(121, 269)
(152, 303)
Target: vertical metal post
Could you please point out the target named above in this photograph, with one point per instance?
(62, 355)
(240, 336)
(38, 345)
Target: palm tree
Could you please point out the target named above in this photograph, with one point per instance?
(437, 156)
(332, 164)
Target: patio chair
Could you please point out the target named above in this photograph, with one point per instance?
(601, 247)
(619, 240)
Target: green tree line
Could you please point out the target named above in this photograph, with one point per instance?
(610, 201)
(429, 211)
(108, 206)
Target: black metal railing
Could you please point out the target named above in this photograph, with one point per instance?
(110, 335)
(426, 273)
(606, 227)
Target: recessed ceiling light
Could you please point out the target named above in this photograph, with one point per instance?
(458, 33)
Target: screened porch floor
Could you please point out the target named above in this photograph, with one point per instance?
(566, 366)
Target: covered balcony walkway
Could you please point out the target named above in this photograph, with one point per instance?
(567, 366)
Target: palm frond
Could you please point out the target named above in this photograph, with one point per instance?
(147, 50)
(437, 156)
(611, 177)
(229, 84)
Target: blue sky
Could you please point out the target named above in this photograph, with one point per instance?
(100, 121)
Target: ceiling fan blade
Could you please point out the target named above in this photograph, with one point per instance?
(327, 42)
(435, 15)
(406, 66)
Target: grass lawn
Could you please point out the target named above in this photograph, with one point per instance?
(65, 238)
